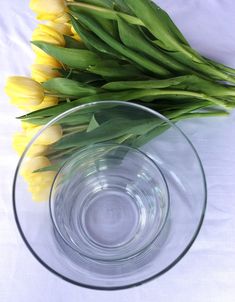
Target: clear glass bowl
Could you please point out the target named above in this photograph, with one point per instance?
(126, 196)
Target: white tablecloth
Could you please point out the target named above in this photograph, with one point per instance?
(207, 272)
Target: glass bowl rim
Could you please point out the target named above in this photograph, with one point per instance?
(68, 112)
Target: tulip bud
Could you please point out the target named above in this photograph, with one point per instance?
(24, 91)
(48, 101)
(48, 34)
(62, 19)
(63, 28)
(49, 136)
(39, 183)
(20, 142)
(45, 59)
(48, 9)
(26, 125)
(32, 164)
(42, 73)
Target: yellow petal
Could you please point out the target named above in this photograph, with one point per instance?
(63, 28)
(45, 59)
(49, 136)
(75, 35)
(19, 142)
(48, 9)
(41, 194)
(48, 34)
(32, 164)
(62, 19)
(26, 125)
(24, 91)
(42, 73)
(47, 102)
(43, 178)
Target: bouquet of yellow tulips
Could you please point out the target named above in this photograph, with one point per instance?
(95, 50)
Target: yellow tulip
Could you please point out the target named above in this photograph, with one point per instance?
(40, 193)
(39, 183)
(24, 91)
(48, 34)
(48, 9)
(42, 73)
(45, 59)
(62, 19)
(27, 125)
(49, 136)
(20, 142)
(63, 28)
(48, 101)
(32, 164)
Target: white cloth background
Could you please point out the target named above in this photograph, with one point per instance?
(207, 272)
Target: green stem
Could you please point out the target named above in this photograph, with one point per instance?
(197, 95)
(58, 95)
(60, 154)
(200, 114)
(76, 128)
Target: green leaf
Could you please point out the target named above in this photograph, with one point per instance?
(222, 67)
(121, 6)
(69, 87)
(148, 84)
(133, 38)
(158, 22)
(201, 114)
(80, 76)
(107, 131)
(73, 43)
(76, 58)
(170, 38)
(60, 108)
(93, 124)
(102, 3)
(147, 137)
(48, 168)
(92, 41)
(102, 12)
(126, 52)
(117, 4)
(115, 71)
(188, 82)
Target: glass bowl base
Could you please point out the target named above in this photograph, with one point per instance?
(109, 202)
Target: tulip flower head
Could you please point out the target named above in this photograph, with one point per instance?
(24, 91)
(42, 73)
(65, 18)
(45, 59)
(39, 182)
(48, 137)
(48, 101)
(48, 9)
(48, 34)
(20, 142)
(63, 28)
